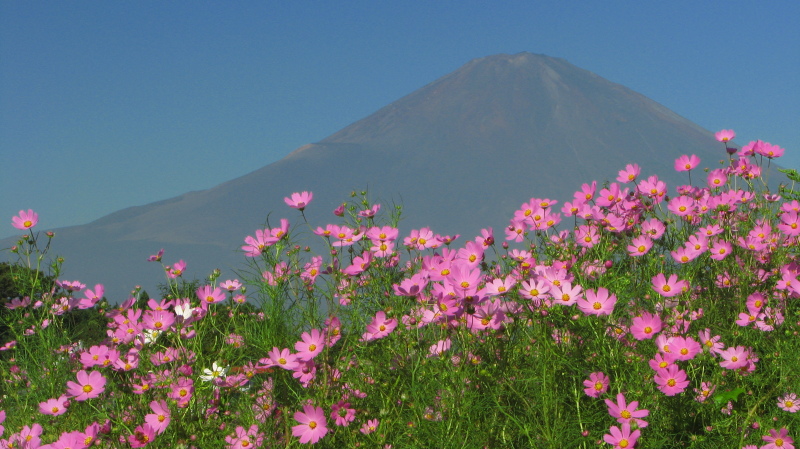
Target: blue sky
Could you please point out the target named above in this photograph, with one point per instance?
(106, 105)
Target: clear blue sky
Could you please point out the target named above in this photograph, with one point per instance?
(105, 105)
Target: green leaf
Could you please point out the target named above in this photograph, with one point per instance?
(722, 397)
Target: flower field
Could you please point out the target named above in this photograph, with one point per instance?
(633, 315)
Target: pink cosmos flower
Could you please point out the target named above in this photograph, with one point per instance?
(231, 285)
(255, 245)
(790, 224)
(645, 326)
(789, 403)
(89, 386)
(176, 270)
(597, 303)
(717, 178)
(720, 249)
(640, 245)
(342, 413)
(439, 348)
(312, 425)
(671, 381)
(725, 135)
(596, 384)
(142, 436)
(158, 320)
(333, 331)
(160, 418)
(210, 295)
(711, 344)
(565, 294)
(704, 392)
(629, 173)
(371, 212)
(54, 407)
(310, 345)
(622, 438)
(379, 327)
(68, 440)
(281, 357)
(661, 361)
(669, 287)
(734, 357)
(25, 220)
(778, 440)
(300, 200)
(245, 439)
(768, 150)
(369, 427)
(625, 413)
(684, 348)
(157, 256)
(686, 163)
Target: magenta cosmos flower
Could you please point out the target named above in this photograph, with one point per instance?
(622, 438)
(671, 380)
(625, 413)
(596, 384)
(379, 327)
(89, 386)
(25, 220)
(300, 200)
(645, 326)
(312, 425)
(778, 440)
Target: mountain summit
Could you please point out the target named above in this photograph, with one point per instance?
(459, 154)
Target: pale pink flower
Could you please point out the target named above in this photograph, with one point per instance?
(160, 418)
(310, 345)
(686, 163)
(54, 407)
(89, 385)
(725, 135)
(300, 200)
(597, 303)
(312, 425)
(369, 427)
(789, 403)
(25, 220)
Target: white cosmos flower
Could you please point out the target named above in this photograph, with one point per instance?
(215, 372)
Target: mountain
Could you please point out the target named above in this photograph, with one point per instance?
(460, 154)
